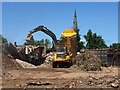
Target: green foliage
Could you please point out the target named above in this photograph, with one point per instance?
(3, 40)
(78, 36)
(28, 43)
(81, 45)
(47, 43)
(115, 46)
(41, 42)
(88, 38)
(94, 41)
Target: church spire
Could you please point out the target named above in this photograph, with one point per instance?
(75, 27)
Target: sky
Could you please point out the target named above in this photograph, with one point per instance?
(21, 17)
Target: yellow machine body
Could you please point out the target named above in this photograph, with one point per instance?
(61, 56)
(68, 43)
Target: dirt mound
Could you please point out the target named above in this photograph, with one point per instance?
(88, 61)
(9, 63)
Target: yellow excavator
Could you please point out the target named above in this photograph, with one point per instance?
(66, 50)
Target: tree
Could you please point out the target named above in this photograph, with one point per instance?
(47, 43)
(100, 42)
(81, 45)
(88, 38)
(3, 40)
(41, 42)
(78, 35)
(94, 41)
(29, 43)
(115, 46)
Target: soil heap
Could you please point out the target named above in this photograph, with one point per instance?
(9, 63)
(88, 61)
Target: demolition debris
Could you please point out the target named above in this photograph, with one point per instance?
(88, 61)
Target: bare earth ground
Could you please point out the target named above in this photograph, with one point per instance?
(47, 77)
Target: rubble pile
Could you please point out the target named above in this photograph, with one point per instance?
(93, 82)
(88, 61)
(9, 63)
(25, 64)
(108, 81)
(49, 58)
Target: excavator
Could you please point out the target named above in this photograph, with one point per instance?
(33, 51)
(64, 50)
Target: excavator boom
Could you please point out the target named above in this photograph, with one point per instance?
(43, 29)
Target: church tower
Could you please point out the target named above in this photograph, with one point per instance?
(75, 26)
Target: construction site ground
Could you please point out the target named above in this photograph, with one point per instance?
(44, 76)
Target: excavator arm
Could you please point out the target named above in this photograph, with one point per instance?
(43, 29)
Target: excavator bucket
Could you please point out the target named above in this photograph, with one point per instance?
(30, 39)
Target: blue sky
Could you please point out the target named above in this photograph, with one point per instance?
(19, 18)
